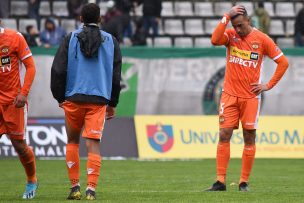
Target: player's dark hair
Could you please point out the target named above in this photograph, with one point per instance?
(28, 28)
(244, 14)
(90, 13)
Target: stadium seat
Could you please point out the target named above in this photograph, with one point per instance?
(149, 42)
(9, 23)
(42, 22)
(194, 27)
(285, 9)
(25, 22)
(210, 25)
(103, 7)
(60, 8)
(248, 5)
(45, 8)
(203, 9)
(162, 42)
(183, 9)
(269, 8)
(173, 27)
(160, 28)
(19, 8)
(285, 42)
(68, 25)
(298, 7)
(290, 27)
(183, 42)
(276, 27)
(167, 8)
(221, 7)
(202, 42)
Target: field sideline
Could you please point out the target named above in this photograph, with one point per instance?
(272, 180)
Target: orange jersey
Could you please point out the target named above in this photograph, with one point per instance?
(244, 61)
(13, 50)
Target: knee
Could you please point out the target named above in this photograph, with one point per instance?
(249, 137)
(20, 147)
(225, 135)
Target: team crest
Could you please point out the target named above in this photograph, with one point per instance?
(4, 50)
(160, 137)
(255, 45)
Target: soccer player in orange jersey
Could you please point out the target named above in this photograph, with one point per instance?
(240, 100)
(13, 99)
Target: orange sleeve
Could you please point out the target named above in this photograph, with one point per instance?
(23, 50)
(219, 37)
(275, 53)
(281, 69)
(29, 75)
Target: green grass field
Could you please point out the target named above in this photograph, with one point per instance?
(272, 180)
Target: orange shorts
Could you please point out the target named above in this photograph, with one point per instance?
(234, 109)
(89, 118)
(13, 121)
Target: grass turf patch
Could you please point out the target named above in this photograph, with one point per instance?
(272, 180)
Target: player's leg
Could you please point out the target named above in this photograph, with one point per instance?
(15, 121)
(27, 158)
(94, 123)
(247, 158)
(228, 120)
(74, 117)
(249, 118)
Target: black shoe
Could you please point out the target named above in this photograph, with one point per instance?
(75, 193)
(244, 187)
(90, 195)
(217, 186)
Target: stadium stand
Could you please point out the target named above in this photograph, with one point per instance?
(25, 22)
(193, 19)
(162, 42)
(45, 8)
(183, 42)
(10, 23)
(19, 8)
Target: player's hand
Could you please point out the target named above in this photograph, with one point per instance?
(257, 88)
(236, 10)
(20, 101)
(110, 112)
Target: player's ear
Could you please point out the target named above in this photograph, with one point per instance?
(81, 19)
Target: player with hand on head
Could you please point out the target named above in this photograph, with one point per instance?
(85, 80)
(242, 88)
(13, 99)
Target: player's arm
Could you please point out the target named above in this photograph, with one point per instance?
(219, 37)
(282, 64)
(59, 70)
(115, 80)
(25, 55)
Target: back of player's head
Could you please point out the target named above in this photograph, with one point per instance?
(90, 13)
(245, 14)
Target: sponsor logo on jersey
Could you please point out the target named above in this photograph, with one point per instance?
(243, 57)
(5, 60)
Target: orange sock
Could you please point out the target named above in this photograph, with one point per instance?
(222, 160)
(29, 164)
(93, 170)
(72, 161)
(247, 162)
